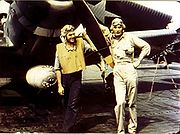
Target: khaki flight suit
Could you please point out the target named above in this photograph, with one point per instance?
(125, 78)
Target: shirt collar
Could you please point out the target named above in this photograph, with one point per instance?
(70, 48)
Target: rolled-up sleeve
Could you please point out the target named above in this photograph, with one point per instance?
(56, 63)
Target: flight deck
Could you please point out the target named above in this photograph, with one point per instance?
(158, 111)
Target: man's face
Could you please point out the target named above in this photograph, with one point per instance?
(117, 30)
(71, 37)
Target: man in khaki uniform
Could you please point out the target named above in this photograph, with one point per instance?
(125, 74)
(69, 63)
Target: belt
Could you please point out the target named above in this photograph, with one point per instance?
(123, 62)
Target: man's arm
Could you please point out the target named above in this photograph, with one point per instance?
(58, 75)
(88, 40)
(145, 50)
(60, 87)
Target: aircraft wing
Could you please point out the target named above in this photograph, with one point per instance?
(136, 17)
(154, 33)
(164, 42)
(143, 21)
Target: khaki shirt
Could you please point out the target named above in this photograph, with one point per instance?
(70, 61)
(123, 49)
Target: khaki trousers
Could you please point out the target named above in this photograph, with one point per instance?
(125, 82)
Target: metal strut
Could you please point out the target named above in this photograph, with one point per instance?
(155, 74)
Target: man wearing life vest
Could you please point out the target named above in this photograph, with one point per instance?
(69, 63)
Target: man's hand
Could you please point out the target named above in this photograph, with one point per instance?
(111, 64)
(60, 90)
(136, 63)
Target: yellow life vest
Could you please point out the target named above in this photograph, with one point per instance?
(71, 61)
